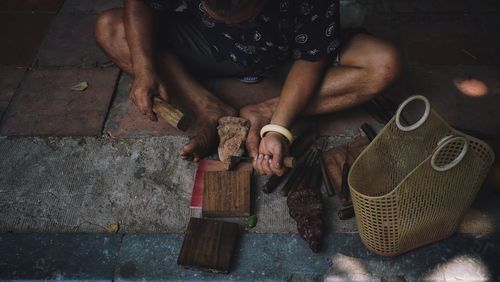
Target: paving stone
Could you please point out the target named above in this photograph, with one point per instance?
(353, 12)
(490, 25)
(31, 5)
(70, 42)
(478, 114)
(58, 256)
(89, 6)
(10, 77)
(443, 40)
(21, 34)
(432, 6)
(384, 30)
(47, 106)
(343, 257)
(486, 6)
(381, 7)
(125, 120)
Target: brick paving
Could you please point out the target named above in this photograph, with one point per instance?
(9, 79)
(70, 42)
(22, 35)
(47, 34)
(46, 105)
(51, 6)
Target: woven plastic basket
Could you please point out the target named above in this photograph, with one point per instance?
(413, 184)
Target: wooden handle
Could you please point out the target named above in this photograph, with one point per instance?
(173, 116)
(289, 162)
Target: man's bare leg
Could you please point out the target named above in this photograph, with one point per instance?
(110, 34)
(368, 66)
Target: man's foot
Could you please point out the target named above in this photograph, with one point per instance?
(205, 138)
(258, 115)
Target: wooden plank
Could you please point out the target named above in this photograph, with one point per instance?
(209, 165)
(209, 245)
(226, 193)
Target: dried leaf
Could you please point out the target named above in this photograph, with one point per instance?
(82, 86)
(113, 228)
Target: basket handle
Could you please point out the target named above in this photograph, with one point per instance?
(448, 147)
(419, 123)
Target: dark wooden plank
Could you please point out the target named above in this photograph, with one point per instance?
(209, 245)
(226, 193)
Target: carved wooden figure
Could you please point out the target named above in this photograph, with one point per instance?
(232, 134)
(306, 208)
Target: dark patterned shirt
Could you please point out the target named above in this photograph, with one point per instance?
(302, 29)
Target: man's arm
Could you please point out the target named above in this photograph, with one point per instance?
(301, 84)
(140, 32)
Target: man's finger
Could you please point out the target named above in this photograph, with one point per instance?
(258, 164)
(266, 167)
(277, 161)
(163, 93)
(148, 103)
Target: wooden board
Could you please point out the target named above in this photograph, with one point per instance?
(204, 166)
(209, 245)
(226, 193)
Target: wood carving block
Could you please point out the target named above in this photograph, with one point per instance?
(204, 166)
(209, 245)
(232, 135)
(226, 193)
(171, 115)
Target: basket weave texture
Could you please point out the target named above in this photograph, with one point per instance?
(401, 202)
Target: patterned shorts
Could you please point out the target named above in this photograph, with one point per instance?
(182, 37)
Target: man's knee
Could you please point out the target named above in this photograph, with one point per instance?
(106, 26)
(384, 65)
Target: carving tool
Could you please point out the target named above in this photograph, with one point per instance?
(329, 189)
(299, 173)
(344, 190)
(369, 131)
(298, 149)
(288, 162)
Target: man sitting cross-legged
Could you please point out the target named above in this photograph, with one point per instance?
(163, 43)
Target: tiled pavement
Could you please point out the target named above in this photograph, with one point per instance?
(47, 46)
(435, 38)
(258, 257)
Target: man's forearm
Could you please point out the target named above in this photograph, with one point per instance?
(139, 30)
(302, 82)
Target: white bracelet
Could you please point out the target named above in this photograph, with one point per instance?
(278, 129)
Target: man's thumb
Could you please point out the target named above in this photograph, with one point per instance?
(163, 93)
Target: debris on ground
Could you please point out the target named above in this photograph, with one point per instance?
(82, 86)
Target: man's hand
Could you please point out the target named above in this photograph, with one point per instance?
(272, 149)
(147, 85)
